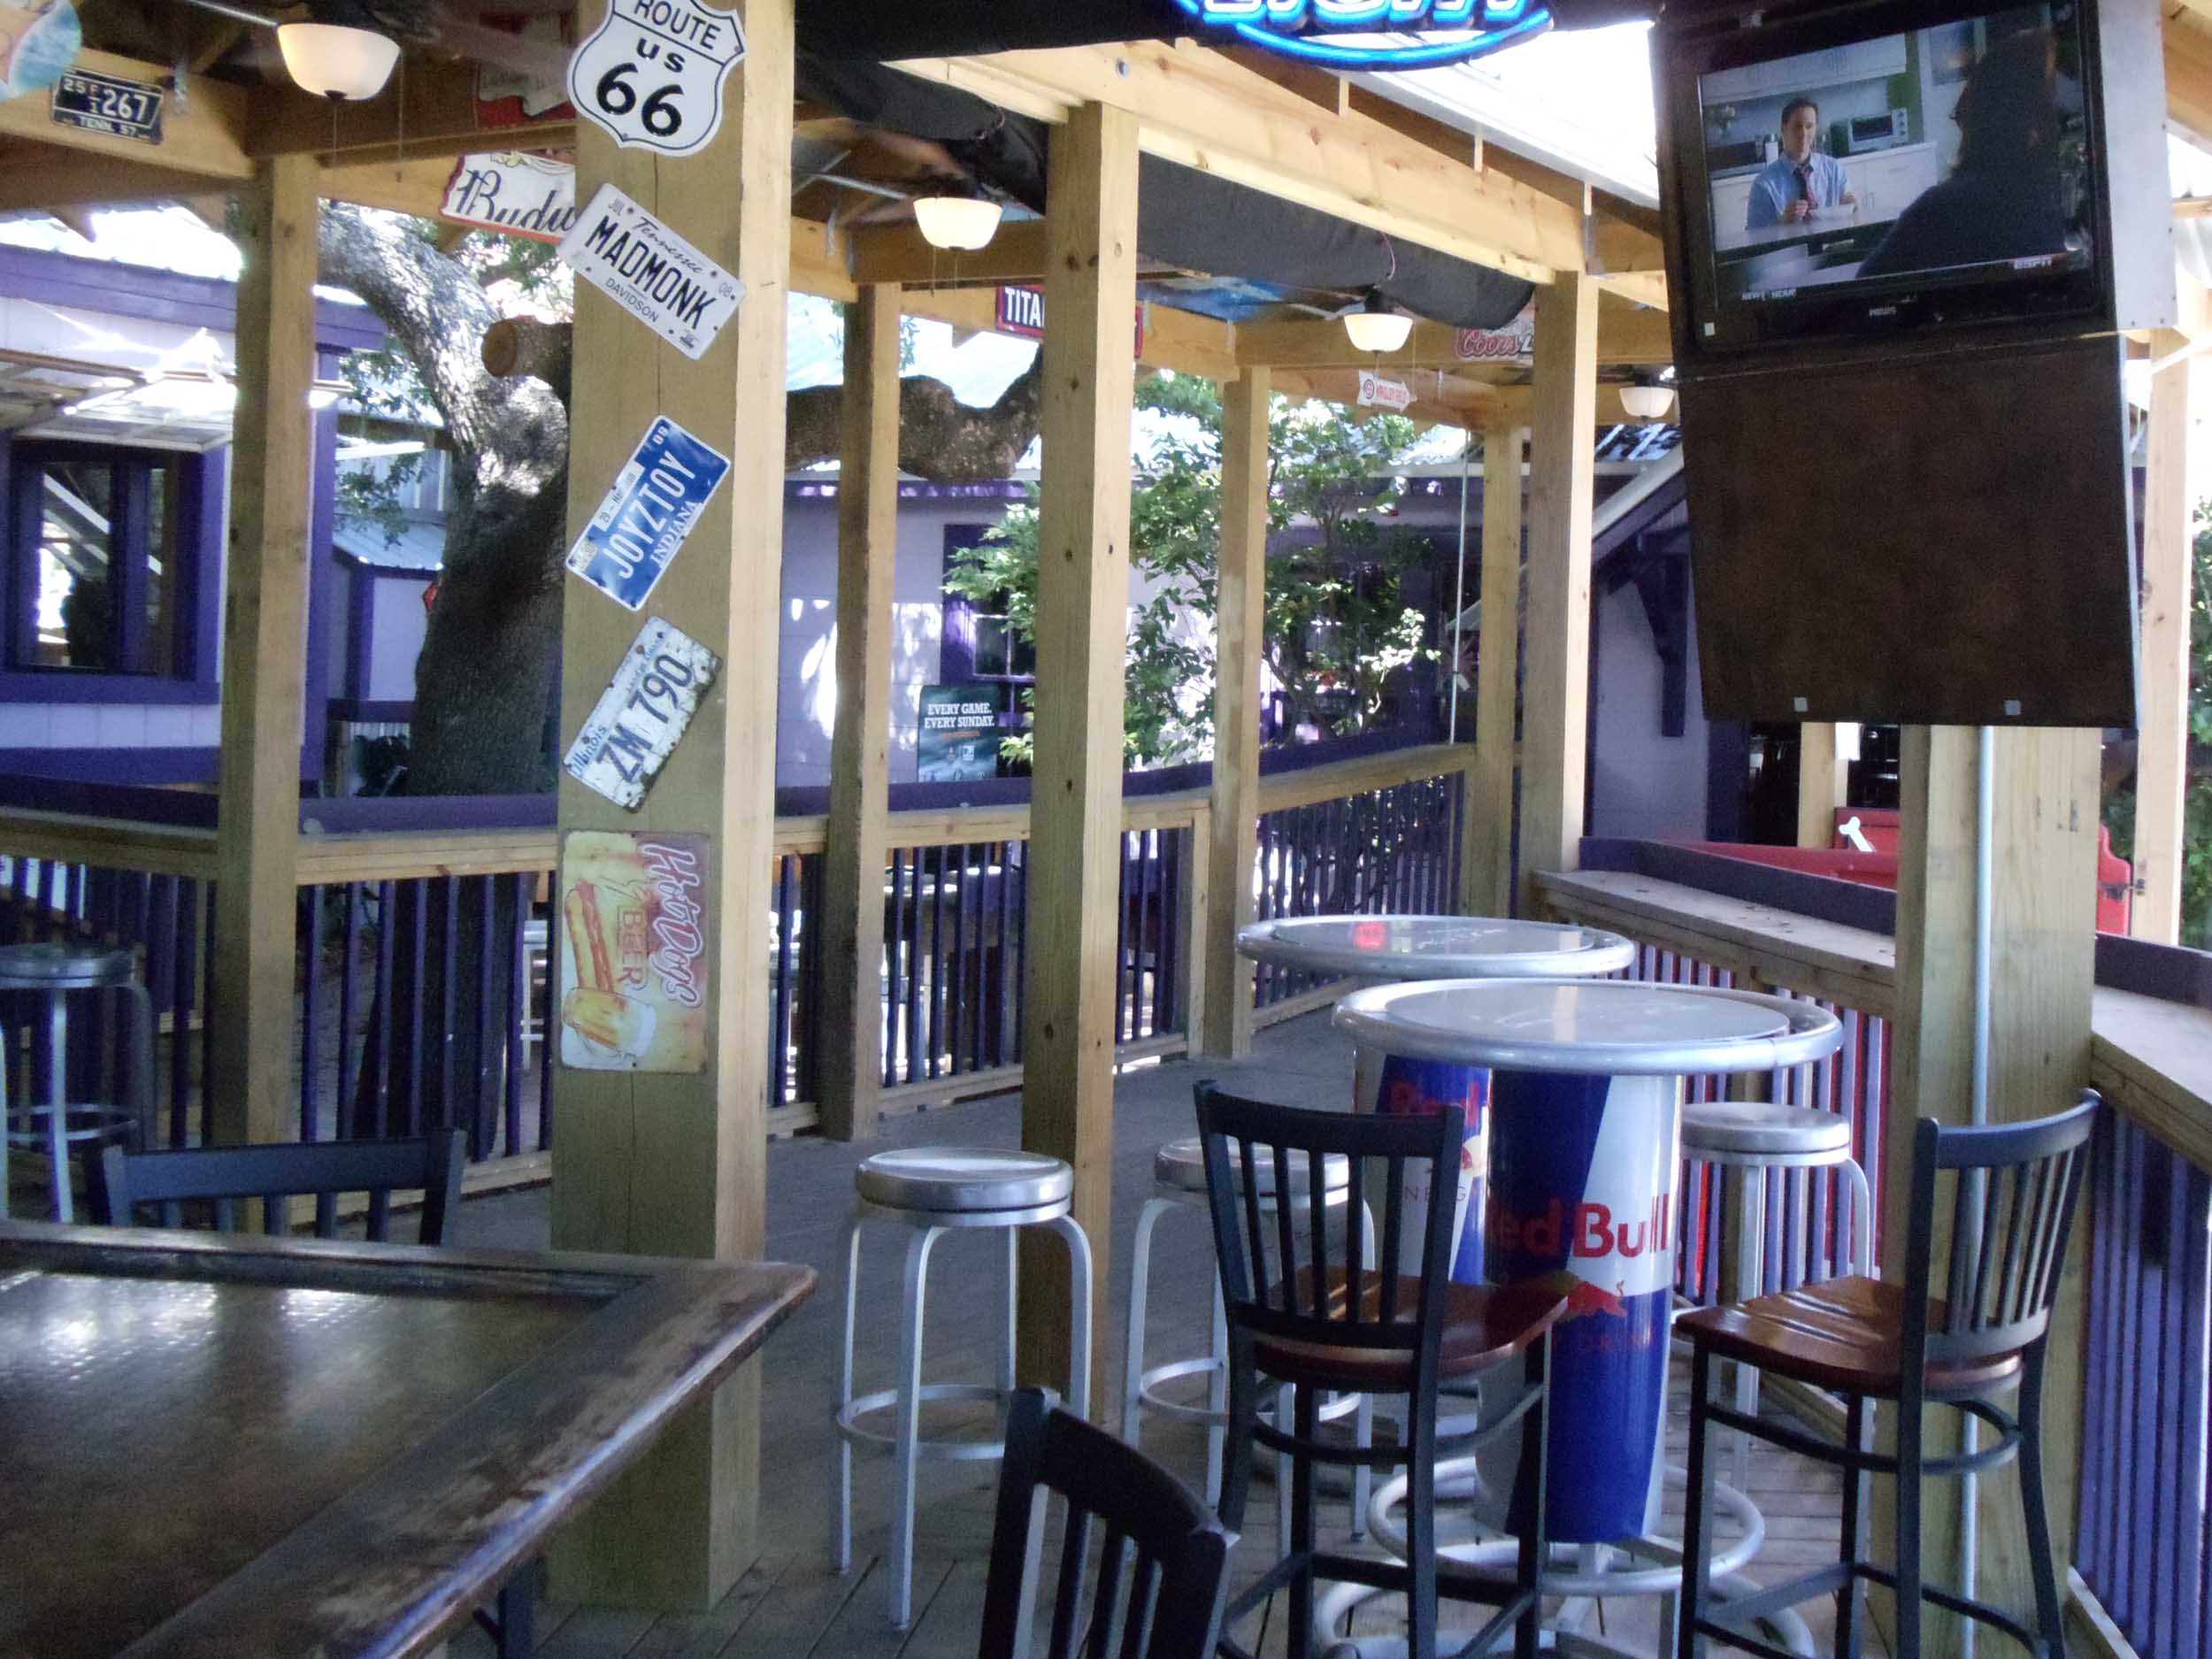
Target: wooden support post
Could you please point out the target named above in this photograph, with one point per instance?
(2042, 976)
(1082, 605)
(664, 1163)
(1239, 651)
(1821, 774)
(860, 749)
(1485, 855)
(258, 817)
(2161, 753)
(1556, 681)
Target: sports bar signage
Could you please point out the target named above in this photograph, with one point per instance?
(1316, 30)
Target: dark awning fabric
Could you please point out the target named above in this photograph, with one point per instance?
(889, 29)
(1184, 216)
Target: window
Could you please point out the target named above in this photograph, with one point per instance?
(97, 585)
(977, 644)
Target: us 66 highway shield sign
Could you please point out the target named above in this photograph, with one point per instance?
(652, 73)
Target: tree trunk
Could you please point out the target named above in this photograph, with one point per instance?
(485, 682)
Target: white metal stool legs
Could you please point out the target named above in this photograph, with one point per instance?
(909, 1448)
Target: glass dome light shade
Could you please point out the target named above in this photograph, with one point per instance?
(965, 222)
(334, 61)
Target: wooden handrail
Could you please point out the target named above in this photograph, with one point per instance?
(2151, 1059)
(400, 854)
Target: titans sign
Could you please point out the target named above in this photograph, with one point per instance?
(1314, 29)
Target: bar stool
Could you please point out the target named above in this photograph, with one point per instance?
(2014, 1191)
(1756, 1136)
(933, 1191)
(1179, 1182)
(57, 971)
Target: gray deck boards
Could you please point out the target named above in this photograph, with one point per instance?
(791, 1606)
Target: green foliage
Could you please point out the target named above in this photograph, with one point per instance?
(2196, 843)
(1337, 627)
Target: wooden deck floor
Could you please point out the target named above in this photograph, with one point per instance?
(791, 1606)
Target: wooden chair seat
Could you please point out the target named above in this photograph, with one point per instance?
(1483, 1325)
(1844, 1334)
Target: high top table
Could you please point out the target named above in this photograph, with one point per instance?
(1585, 1085)
(1434, 948)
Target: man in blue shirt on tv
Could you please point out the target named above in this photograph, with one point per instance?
(1801, 181)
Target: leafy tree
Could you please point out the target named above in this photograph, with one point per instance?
(2196, 841)
(1337, 624)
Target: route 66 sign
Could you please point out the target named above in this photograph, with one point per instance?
(651, 73)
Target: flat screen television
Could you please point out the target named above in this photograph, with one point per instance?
(1870, 172)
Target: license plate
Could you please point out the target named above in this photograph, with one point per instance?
(108, 104)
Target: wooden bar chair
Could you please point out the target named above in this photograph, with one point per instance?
(1351, 1326)
(1162, 1563)
(2013, 1190)
(223, 1177)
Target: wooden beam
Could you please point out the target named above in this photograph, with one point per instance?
(2043, 962)
(199, 133)
(2188, 70)
(2161, 755)
(264, 624)
(427, 109)
(1199, 108)
(1556, 680)
(1821, 776)
(1628, 336)
(46, 177)
(1239, 652)
(1487, 835)
(900, 253)
(1082, 599)
(860, 747)
(668, 1162)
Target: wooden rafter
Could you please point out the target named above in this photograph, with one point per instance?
(1202, 109)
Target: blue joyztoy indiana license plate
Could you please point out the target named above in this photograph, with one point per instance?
(656, 498)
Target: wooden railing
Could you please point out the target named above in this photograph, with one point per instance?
(2143, 1553)
(421, 953)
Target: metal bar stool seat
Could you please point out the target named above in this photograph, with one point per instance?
(1179, 1182)
(60, 1123)
(933, 1191)
(1756, 1136)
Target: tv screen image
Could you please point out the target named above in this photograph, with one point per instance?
(1862, 182)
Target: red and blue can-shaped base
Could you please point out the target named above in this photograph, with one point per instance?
(1392, 1084)
(1581, 1195)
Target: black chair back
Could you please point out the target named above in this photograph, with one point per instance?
(1163, 1561)
(1295, 1290)
(224, 1175)
(2014, 1187)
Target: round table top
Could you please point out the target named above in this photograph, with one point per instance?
(54, 966)
(1434, 946)
(1616, 1028)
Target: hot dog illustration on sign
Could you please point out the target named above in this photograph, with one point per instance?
(633, 991)
(652, 73)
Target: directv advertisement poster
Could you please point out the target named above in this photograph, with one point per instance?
(959, 737)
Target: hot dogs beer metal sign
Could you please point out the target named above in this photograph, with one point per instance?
(634, 987)
(1327, 31)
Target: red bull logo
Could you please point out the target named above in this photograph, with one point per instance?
(1583, 1231)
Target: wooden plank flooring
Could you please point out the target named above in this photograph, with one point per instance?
(791, 1606)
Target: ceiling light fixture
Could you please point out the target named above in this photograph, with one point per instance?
(1374, 326)
(965, 221)
(337, 62)
(1647, 399)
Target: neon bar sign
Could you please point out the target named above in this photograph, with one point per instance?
(1292, 27)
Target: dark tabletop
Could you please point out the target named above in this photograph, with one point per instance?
(255, 1447)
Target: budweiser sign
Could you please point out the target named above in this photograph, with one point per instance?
(518, 195)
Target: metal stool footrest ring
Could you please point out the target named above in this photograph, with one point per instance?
(850, 1426)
